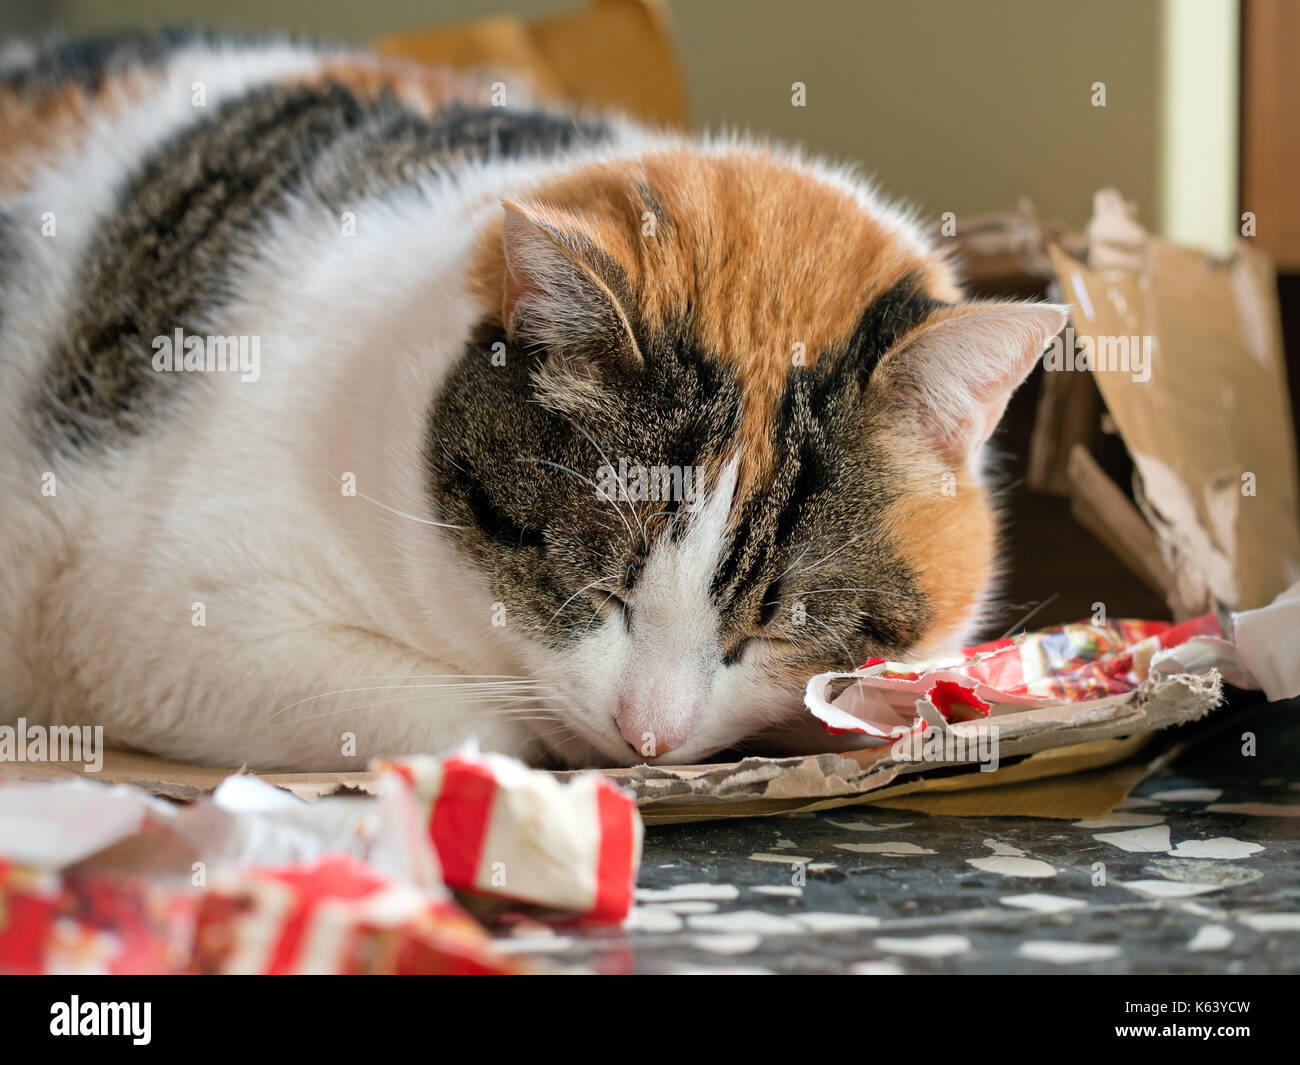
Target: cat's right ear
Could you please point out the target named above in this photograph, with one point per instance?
(554, 299)
(954, 375)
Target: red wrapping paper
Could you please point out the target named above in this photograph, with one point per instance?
(499, 828)
(503, 831)
(1066, 663)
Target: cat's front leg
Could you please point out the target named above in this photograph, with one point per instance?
(323, 697)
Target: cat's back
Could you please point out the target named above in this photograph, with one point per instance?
(139, 172)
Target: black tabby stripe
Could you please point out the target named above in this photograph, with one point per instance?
(164, 259)
(498, 466)
(772, 519)
(92, 61)
(883, 324)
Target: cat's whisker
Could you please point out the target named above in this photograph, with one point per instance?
(1046, 602)
(828, 591)
(513, 711)
(598, 580)
(479, 707)
(560, 729)
(806, 548)
(397, 510)
(826, 558)
(362, 707)
(601, 452)
(803, 657)
(447, 454)
(848, 655)
(596, 613)
(503, 677)
(586, 480)
(375, 688)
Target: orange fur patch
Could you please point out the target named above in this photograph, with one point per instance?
(948, 541)
(774, 265)
(36, 126)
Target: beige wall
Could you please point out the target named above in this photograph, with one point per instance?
(961, 105)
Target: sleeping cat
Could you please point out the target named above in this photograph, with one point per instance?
(345, 413)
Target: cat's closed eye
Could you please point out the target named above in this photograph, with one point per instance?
(737, 652)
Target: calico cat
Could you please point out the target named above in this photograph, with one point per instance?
(344, 413)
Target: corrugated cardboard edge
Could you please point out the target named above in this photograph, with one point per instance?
(1211, 411)
(1084, 780)
(183, 782)
(760, 786)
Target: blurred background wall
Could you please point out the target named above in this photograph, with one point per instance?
(957, 106)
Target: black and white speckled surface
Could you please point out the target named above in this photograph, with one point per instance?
(863, 890)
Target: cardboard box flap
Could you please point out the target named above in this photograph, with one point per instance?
(611, 54)
(1187, 354)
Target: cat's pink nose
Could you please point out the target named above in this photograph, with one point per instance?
(648, 734)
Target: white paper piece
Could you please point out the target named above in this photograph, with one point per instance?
(1264, 652)
(54, 825)
(1268, 644)
(246, 822)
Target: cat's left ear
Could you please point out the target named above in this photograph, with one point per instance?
(554, 298)
(958, 373)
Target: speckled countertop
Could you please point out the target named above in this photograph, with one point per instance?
(1196, 872)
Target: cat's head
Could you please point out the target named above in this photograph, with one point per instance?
(717, 431)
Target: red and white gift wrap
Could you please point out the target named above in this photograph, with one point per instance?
(1064, 664)
(336, 915)
(284, 896)
(90, 924)
(502, 829)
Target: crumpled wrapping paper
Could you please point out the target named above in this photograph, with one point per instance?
(1264, 651)
(487, 818)
(109, 879)
(1064, 664)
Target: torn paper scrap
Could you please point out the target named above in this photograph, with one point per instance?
(504, 830)
(1264, 651)
(250, 880)
(335, 915)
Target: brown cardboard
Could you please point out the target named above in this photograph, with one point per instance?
(760, 786)
(1101, 507)
(611, 54)
(181, 781)
(1212, 425)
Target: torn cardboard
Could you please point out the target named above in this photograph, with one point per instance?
(1209, 429)
(759, 786)
(611, 54)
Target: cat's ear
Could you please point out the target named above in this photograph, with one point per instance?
(553, 298)
(958, 373)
